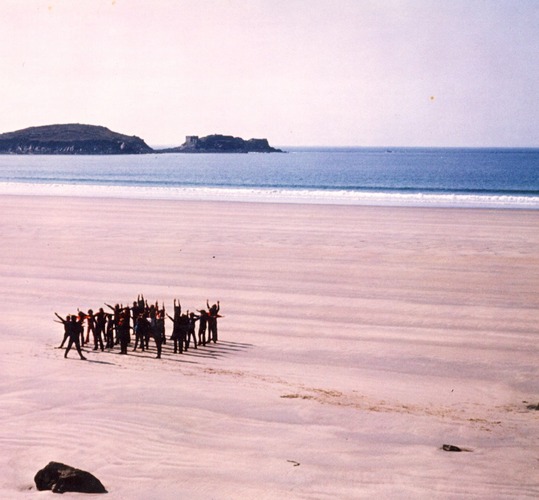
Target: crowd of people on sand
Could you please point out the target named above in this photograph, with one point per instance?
(146, 321)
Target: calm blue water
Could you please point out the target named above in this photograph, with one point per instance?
(492, 173)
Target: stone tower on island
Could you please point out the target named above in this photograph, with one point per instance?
(191, 141)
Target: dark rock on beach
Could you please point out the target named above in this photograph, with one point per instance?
(451, 447)
(71, 139)
(61, 478)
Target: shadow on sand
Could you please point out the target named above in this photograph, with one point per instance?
(212, 350)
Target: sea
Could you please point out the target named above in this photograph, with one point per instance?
(440, 177)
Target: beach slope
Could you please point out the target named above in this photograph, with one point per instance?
(354, 343)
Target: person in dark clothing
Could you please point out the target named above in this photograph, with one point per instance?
(153, 323)
(90, 325)
(67, 327)
(161, 324)
(136, 310)
(156, 333)
(203, 321)
(75, 332)
(127, 313)
(100, 325)
(144, 330)
(175, 337)
(192, 319)
(109, 332)
(141, 331)
(80, 319)
(123, 333)
(176, 334)
(116, 310)
(213, 314)
(184, 327)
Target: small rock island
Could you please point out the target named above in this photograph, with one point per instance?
(77, 139)
(222, 144)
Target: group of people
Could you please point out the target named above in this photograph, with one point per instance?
(146, 321)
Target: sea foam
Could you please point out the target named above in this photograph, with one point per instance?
(273, 195)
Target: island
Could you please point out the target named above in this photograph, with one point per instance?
(73, 138)
(217, 143)
(78, 139)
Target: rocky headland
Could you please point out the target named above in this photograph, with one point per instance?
(74, 138)
(77, 139)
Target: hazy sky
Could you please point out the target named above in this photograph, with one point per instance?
(299, 72)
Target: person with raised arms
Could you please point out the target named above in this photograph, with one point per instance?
(75, 332)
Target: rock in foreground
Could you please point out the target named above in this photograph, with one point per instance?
(61, 478)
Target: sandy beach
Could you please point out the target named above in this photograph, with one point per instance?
(355, 342)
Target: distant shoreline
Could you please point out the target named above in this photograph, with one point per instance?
(80, 139)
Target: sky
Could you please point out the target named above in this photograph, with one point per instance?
(297, 72)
